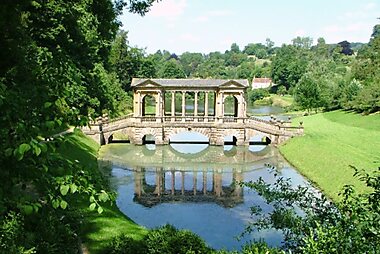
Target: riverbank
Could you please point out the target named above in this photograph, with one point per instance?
(332, 142)
(97, 229)
(276, 100)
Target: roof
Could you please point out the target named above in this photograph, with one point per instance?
(189, 82)
(261, 80)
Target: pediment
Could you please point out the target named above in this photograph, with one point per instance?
(232, 84)
(148, 84)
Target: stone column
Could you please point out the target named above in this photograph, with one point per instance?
(196, 104)
(173, 104)
(183, 104)
(206, 103)
(137, 104)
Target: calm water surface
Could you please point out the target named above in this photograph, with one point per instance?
(195, 187)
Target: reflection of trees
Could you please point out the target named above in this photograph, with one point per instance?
(210, 190)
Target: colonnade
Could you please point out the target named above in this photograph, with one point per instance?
(218, 99)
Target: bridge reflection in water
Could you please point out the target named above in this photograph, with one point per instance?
(187, 186)
(200, 192)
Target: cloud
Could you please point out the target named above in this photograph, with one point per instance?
(212, 14)
(170, 9)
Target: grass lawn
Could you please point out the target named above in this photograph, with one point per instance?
(332, 142)
(98, 229)
(276, 100)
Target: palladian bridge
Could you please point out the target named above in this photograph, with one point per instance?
(218, 109)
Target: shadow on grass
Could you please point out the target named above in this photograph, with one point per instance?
(97, 229)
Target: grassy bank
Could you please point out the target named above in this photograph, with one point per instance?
(332, 142)
(98, 229)
(276, 100)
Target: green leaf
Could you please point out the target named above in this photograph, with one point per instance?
(55, 203)
(73, 188)
(50, 124)
(100, 209)
(64, 189)
(27, 209)
(47, 104)
(23, 148)
(92, 199)
(92, 206)
(37, 150)
(63, 204)
(103, 197)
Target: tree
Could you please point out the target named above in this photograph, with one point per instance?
(288, 65)
(190, 62)
(346, 48)
(366, 72)
(308, 92)
(172, 69)
(256, 49)
(303, 42)
(319, 226)
(54, 72)
(235, 48)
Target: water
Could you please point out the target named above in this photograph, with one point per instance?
(195, 187)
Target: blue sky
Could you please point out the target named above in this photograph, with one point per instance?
(213, 25)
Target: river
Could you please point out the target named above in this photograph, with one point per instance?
(195, 187)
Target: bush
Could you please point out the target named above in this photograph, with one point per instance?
(166, 239)
(257, 94)
(123, 244)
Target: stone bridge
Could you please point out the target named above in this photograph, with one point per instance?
(162, 129)
(218, 109)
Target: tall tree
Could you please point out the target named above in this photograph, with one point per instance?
(53, 73)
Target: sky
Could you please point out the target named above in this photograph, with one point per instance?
(213, 25)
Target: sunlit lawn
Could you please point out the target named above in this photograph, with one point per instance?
(332, 142)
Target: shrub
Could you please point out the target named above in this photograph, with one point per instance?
(123, 244)
(166, 239)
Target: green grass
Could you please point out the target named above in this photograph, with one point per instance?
(332, 142)
(276, 100)
(97, 229)
(282, 101)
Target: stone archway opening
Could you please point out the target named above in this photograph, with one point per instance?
(230, 141)
(189, 142)
(258, 142)
(230, 106)
(148, 105)
(148, 139)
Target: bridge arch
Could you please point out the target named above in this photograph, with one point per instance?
(171, 132)
(143, 132)
(253, 136)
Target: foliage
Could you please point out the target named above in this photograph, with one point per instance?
(289, 65)
(166, 239)
(254, 248)
(54, 72)
(257, 94)
(172, 69)
(128, 62)
(351, 225)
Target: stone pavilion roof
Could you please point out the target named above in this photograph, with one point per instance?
(201, 83)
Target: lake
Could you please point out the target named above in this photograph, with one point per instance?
(195, 187)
